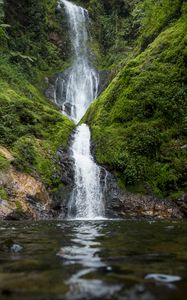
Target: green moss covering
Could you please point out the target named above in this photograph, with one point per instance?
(31, 127)
(4, 163)
(141, 117)
(3, 194)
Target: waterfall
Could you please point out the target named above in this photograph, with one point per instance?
(78, 90)
(86, 199)
(81, 84)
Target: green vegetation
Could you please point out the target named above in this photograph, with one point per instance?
(4, 163)
(115, 28)
(31, 127)
(141, 117)
(3, 194)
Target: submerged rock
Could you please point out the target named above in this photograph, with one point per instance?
(16, 248)
(163, 278)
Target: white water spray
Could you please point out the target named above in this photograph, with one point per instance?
(81, 88)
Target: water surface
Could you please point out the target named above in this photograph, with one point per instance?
(92, 260)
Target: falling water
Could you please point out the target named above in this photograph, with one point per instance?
(79, 89)
(81, 85)
(86, 199)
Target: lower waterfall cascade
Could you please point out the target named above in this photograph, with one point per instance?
(86, 198)
(79, 90)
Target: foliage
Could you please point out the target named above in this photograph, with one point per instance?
(37, 158)
(4, 163)
(26, 117)
(115, 28)
(141, 117)
(30, 125)
(3, 194)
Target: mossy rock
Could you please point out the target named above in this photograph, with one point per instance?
(141, 117)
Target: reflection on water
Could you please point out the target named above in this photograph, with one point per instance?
(115, 260)
(84, 250)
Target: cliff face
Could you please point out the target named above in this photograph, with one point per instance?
(32, 129)
(141, 117)
(21, 195)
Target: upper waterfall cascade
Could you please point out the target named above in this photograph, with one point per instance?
(79, 89)
(81, 85)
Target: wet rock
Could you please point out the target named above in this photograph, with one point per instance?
(6, 292)
(61, 196)
(55, 90)
(56, 39)
(67, 166)
(104, 81)
(149, 206)
(163, 278)
(17, 215)
(121, 203)
(182, 204)
(60, 253)
(56, 87)
(5, 209)
(16, 248)
(111, 195)
(51, 88)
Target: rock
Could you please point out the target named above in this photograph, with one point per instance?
(67, 166)
(50, 91)
(62, 195)
(16, 248)
(21, 188)
(6, 153)
(163, 278)
(56, 91)
(46, 79)
(60, 253)
(120, 203)
(6, 209)
(68, 107)
(182, 204)
(149, 206)
(29, 198)
(105, 79)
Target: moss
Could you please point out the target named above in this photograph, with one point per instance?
(28, 119)
(4, 163)
(37, 158)
(19, 207)
(141, 117)
(30, 125)
(156, 17)
(3, 194)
